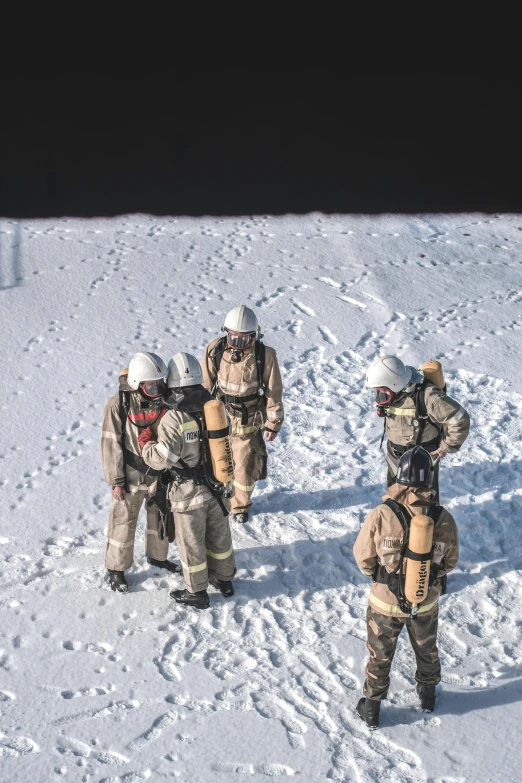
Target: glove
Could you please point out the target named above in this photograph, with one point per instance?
(146, 436)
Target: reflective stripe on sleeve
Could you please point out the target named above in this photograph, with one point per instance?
(395, 609)
(195, 568)
(163, 450)
(401, 411)
(109, 435)
(243, 487)
(218, 556)
(274, 415)
(243, 430)
(166, 454)
(458, 415)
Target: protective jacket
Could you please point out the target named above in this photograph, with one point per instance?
(380, 542)
(237, 384)
(403, 422)
(140, 486)
(239, 379)
(202, 530)
(112, 456)
(178, 439)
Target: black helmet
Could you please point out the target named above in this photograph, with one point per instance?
(415, 468)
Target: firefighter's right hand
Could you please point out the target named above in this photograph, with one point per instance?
(145, 436)
(118, 493)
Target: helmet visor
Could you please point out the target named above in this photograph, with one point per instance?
(239, 340)
(383, 395)
(153, 389)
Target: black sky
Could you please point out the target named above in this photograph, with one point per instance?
(252, 142)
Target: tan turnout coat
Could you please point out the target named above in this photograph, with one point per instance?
(380, 541)
(202, 530)
(239, 379)
(441, 409)
(178, 438)
(111, 451)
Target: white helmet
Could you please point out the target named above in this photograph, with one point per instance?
(388, 372)
(145, 366)
(184, 370)
(241, 319)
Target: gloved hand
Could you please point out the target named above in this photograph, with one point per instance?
(146, 436)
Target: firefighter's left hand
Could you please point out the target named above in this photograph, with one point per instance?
(270, 435)
(438, 453)
(145, 436)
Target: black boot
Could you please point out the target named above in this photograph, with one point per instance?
(242, 517)
(168, 564)
(224, 587)
(117, 581)
(368, 710)
(199, 600)
(427, 697)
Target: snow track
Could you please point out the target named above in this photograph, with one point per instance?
(101, 687)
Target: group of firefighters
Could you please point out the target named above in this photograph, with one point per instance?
(155, 450)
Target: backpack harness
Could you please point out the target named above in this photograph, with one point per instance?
(161, 496)
(129, 457)
(238, 403)
(394, 580)
(420, 421)
(202, 472)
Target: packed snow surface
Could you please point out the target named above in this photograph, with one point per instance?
(121, 688)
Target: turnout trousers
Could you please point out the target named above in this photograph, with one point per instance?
(204, 544)
(250, 459)
(121, 531)
(383, 633)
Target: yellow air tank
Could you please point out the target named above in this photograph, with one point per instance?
(418, 571)
(432, 370)
(219, 440)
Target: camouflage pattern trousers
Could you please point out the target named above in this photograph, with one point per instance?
(383, 633)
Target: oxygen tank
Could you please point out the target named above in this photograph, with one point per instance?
(219, 440)
(418, 571)
(432, 370)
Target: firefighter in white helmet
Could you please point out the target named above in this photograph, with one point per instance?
(415, 412)
(244, 373)
(197, 500)
(139, 404)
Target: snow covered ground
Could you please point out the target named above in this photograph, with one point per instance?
(102, 687)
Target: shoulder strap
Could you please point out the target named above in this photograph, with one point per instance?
(260, 361)
(421, 413)
(217, 352)
(124, 408)
(395, 579)
(123, 414)
(435, 512)
(402, 514)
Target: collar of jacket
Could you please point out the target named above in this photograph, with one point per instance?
(245, 354)
(410, 496)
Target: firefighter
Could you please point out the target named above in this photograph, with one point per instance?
(140, 403)
(415, 412)
(244, 373)
(381, 552)
(197, 500)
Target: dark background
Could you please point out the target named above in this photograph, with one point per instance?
(252, 142)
